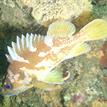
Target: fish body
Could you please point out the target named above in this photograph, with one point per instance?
(49, 52)
(35, 56)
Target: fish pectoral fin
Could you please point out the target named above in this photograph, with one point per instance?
(95, 30)
(54, 77)
(78, 50)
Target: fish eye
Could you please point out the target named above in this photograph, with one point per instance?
(8, 86)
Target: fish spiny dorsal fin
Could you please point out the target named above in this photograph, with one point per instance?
(22, 43)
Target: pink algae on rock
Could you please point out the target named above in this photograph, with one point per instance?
(103, 56)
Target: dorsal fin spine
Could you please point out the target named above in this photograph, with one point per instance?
(27, 40)
(14, 46)
(18, 43)
(31, 47)
(30, 42)
(11, 53)
(23, 41)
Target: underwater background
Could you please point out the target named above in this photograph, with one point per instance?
(88, 88)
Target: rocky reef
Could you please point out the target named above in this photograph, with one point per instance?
(46, 11)
(87, 85)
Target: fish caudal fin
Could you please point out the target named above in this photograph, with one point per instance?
(78, 50)
(95, 30)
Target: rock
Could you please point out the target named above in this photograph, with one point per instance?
(46, 11)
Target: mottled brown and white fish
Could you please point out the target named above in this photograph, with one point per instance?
(35, 56)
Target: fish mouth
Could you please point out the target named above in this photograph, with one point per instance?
(6, 92)
(6, 89)
(13, 91)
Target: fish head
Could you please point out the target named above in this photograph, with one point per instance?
(15, 82)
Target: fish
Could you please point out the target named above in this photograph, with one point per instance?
(33, 57)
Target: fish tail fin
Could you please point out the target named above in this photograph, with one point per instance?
(95, 30)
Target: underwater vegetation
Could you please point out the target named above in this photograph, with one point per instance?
(33, 57)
